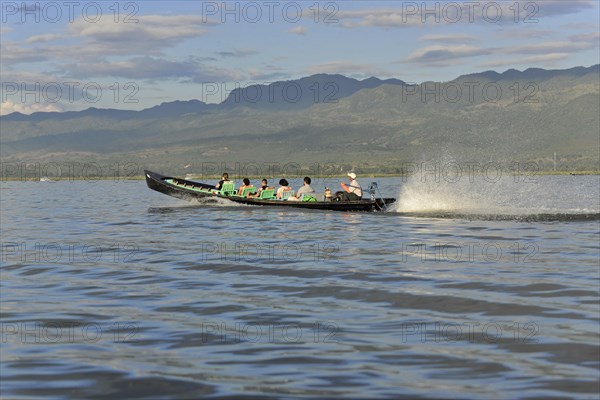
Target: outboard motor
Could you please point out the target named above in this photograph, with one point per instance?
(373, 190)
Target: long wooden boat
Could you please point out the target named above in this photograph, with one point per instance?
(191, 190)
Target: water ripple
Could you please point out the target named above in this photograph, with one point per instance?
(157, 298)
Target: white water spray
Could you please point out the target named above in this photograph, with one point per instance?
(506, 196)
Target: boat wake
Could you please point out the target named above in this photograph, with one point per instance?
(197, 203)
(215, 202)
(504, 200)
(522, 216)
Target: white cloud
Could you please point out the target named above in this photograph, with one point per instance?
(13, 54)
(450, 13)
(156, 28)
(149, 36)
(546, 8)
(237, 53)
(449, 38)
(525, 31)
(267, 72)
(152, 68)
(44, 38)
(544, 59)
(437, 55)
(299, 30)
(97, 41)
(575, 44)
(346, 67)
(383, 17)
(579, 25)
(593, 37)
(8, 107)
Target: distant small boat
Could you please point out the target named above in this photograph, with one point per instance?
(189, 190)
(46, 179)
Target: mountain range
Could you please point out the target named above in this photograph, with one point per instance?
(370, 125)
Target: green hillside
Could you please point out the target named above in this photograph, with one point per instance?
(489, 117)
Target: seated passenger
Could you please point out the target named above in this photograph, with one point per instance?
(283, 187)
(244, 186)
(264, 186)
(224, 179)
(305, 189)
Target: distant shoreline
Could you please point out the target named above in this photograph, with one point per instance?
(290, 176)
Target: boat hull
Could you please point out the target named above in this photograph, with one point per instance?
(190, 190)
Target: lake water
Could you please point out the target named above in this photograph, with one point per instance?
(463, 290)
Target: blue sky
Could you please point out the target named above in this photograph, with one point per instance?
(59, 56)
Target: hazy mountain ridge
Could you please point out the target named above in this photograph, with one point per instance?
(303, 92)
(379, 123)
(533, 73)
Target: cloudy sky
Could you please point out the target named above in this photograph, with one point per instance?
(59, 56)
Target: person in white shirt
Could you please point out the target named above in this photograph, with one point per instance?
(283, 187)
(353, 191)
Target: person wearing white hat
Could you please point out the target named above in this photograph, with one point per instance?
(352, 191)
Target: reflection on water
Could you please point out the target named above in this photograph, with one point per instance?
(110, 290)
